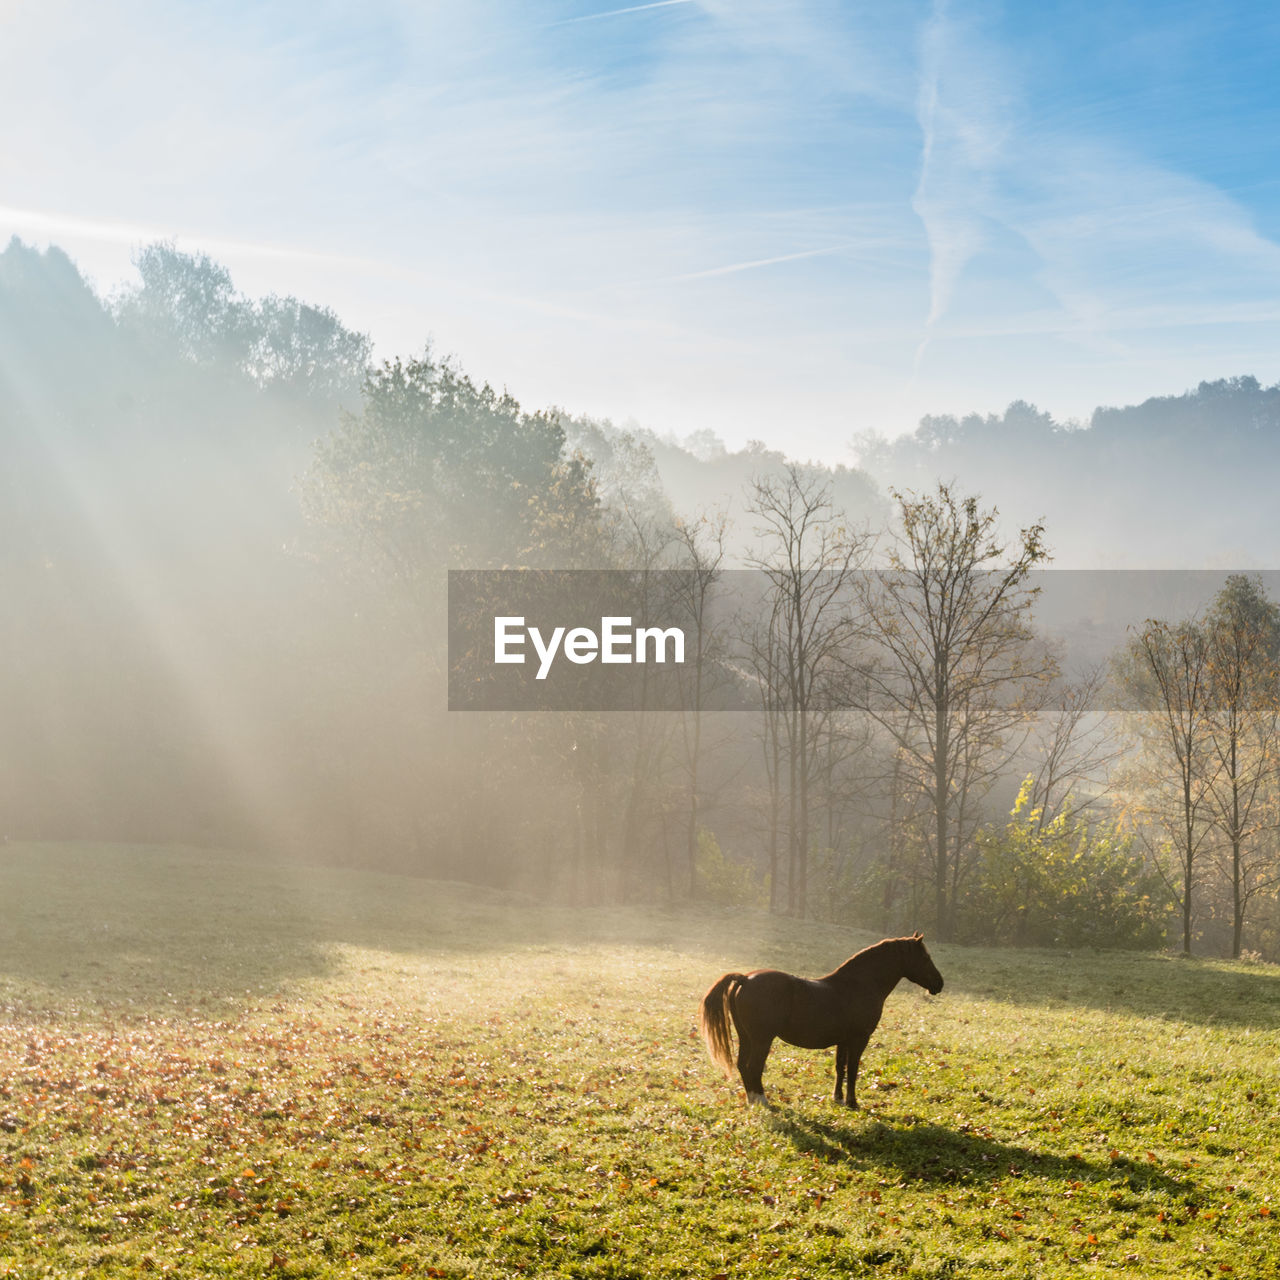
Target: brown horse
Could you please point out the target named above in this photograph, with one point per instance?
(841, 1009)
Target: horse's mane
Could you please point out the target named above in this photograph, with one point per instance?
(869, 955)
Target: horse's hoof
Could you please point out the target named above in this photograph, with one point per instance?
(756, 1099)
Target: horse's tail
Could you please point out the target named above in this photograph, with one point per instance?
(713, 1019)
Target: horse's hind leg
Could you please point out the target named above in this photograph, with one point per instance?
(752, 1055)
(842, 1058)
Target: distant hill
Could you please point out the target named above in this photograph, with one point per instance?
(1182, 481)
(1178, 482)
(700, 476)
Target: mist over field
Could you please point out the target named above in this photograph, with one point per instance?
(227, 540)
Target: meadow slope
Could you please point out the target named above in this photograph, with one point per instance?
(215, 1065)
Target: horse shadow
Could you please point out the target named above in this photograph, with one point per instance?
(936, 1155)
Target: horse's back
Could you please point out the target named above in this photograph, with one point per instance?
(808, 1012)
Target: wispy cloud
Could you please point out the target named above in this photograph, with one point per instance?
(41, 224)
(1059, 228)
(959, 107)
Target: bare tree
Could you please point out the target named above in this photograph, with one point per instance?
(762, 652)
(810, 557)
(1164, 670)
(1076, 749)
(842, 737)
(702, 545)
(649, 545)
(1243, 633)
(954, 672)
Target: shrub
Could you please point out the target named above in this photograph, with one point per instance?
(1061, 883)
(723, 880)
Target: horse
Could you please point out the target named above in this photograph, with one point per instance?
(841, 1009)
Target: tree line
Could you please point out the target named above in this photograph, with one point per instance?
(226, 545)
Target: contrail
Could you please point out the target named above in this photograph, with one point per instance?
(757, 262)
(613, 13)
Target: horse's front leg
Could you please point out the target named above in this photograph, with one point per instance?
(842, 1058)
(853, 1048)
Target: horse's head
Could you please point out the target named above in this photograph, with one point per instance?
(920, 967)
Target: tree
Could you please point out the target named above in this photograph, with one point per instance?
(436, 471)
(702, 543)
(147, 534)
(1075, 747)
(1243, 649)
(187, 305)
(1164, 672)
(306, 349)
(187, 312)
(645, 540)
(810, 558)
(762, 646)
(954, 670)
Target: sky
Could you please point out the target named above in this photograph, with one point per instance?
(791, 222)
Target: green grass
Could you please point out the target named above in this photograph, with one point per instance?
(210, 1065)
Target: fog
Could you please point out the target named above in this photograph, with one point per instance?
(226, 540)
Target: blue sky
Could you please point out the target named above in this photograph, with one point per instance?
(788, 221)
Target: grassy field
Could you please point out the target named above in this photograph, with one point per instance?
(210, 1065)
